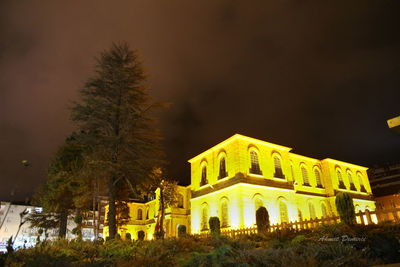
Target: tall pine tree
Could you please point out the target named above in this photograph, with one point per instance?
(114, 115)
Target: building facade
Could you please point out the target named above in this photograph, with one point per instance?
(144, 216)
(237, 176)
(27, 235)
(234, 178)
(385, 183)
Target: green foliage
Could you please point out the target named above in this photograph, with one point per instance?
(262, 220)
(62, 188)
(159, 235)
(141, 235)
(345, 208)
(215, 226)
(128, 237)
(280, 249)
(78, 218)
(118, 131)
(167, 195)
(181, 231)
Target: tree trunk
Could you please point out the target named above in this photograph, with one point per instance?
(62, 230)
(111, 217)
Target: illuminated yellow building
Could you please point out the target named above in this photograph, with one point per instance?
(235, 177)
(232, 179)
(143, 216)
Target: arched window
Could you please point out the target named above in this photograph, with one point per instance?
(350, 177)
(283, 212)
(312, 210)
(224, 213)
(204, 180)
(278, 167)
(360, 180)
(357, 210)
(317, 174)
(180, 201)
(340, 178)
(305, 176)
(255, 166)
(323, 210)
(140, 214)
(222, 168)
(204, 218)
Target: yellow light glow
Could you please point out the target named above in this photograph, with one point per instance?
(285, 195)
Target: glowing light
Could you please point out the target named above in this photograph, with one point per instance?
(290, 203)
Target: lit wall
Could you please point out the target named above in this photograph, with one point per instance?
(143, 216)
(304, 200)
(236, 151)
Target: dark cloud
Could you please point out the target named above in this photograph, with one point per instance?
(316, 76)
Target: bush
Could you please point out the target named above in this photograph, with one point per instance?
(128, 236)
(215, 226)
(345, 208)
(181, 230)
(277, 248)
(141, 235)
(262, 220)
(159, 235)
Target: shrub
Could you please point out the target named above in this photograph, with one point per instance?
(215, 226)
(345, 208)
(159, 235)
(140, 235)
(262, 220)
(181, 230)
(128, 236)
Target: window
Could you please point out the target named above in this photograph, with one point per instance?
(349, 176)
(323, 210)
(180, 201)
(278, 167)
(305, 176)
(224, 213)
(203, 176)
(255, 167)
(317, 174)
(222, 168)
(340, 179)
(360, 180)
(283, 211)
(204, 218)
(312, 210)
(140, 214)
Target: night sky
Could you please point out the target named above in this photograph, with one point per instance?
(319, 77)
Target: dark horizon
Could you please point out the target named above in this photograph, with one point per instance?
(319, 77)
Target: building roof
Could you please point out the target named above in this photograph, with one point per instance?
(257, 141)
(238, 137)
